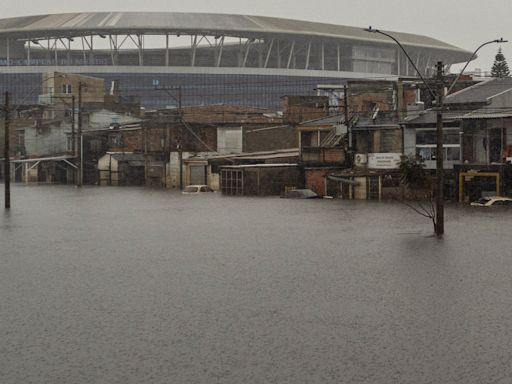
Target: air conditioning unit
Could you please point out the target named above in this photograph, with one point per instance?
(360, 160)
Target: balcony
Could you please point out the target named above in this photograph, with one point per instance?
(323, 155)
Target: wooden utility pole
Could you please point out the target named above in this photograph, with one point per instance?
(73, 138)
(349, 129)
(180, 142)
(439, 224)
(7, 165)
(80, 168)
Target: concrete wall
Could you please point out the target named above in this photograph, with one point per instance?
(315, 179)
(360, 192)
(46, 141)
(409, 141)
(173, 168)
(229, 139)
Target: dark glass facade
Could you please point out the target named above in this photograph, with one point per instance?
(196, 89)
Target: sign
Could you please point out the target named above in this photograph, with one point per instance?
(384, 160)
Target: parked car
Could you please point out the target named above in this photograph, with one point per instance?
(492, 201)
(196, 189)
(300, 194)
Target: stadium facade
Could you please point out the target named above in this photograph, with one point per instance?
(213, 58)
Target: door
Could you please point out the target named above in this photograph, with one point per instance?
(198, 175)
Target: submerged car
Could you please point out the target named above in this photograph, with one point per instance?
(196, 189)
(300, 194)
(492, 201)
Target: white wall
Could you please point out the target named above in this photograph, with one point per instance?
(229, 140)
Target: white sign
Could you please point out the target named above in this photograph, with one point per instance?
(384, 160)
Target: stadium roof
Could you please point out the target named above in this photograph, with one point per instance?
(76, 24)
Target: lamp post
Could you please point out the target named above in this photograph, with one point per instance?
(500, 40)
(439, 97)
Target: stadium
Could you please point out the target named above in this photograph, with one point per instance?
(212, 58)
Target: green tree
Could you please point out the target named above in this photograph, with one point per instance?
(500, 66)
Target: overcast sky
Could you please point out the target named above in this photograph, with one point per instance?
(464, 23)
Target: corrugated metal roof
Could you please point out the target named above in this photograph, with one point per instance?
(481, 92)
(430, 116)
(271, 156)
(487, 114)
(277, 153)
(127, 156)
(329, 120)
(243, 166)
(96, 22)
(49, 158)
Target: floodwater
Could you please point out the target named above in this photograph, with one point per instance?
(133, 285)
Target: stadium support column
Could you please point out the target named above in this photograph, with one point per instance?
(166, 49)
(8, 51)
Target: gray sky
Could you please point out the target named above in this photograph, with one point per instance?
(464, 23)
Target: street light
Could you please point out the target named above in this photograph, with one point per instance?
(373, 30)
(500, 40)
(439, 96)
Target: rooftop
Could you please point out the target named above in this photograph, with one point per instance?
(76, 24)
(481, 92)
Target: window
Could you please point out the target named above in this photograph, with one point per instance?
(430, 137)
(66, 89)
(428, 152)
(371, 59)
(426, 143)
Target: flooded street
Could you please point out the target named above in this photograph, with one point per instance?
(133, 285)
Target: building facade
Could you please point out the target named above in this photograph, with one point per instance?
(210, 58)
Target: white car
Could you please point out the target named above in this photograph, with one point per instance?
(493, 201)
(196, 189)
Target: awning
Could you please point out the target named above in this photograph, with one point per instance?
(342, 180)
(135, 163)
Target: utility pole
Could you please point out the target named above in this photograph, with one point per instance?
(73, 138)
(349, 129)
(7, 165)
(80, 167)
(439, 225)
(180, 142)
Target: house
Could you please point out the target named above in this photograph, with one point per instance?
(206, 169)
(259, 179)
(122, 169)
(187, 137)
(477, 139)
(358, 158)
